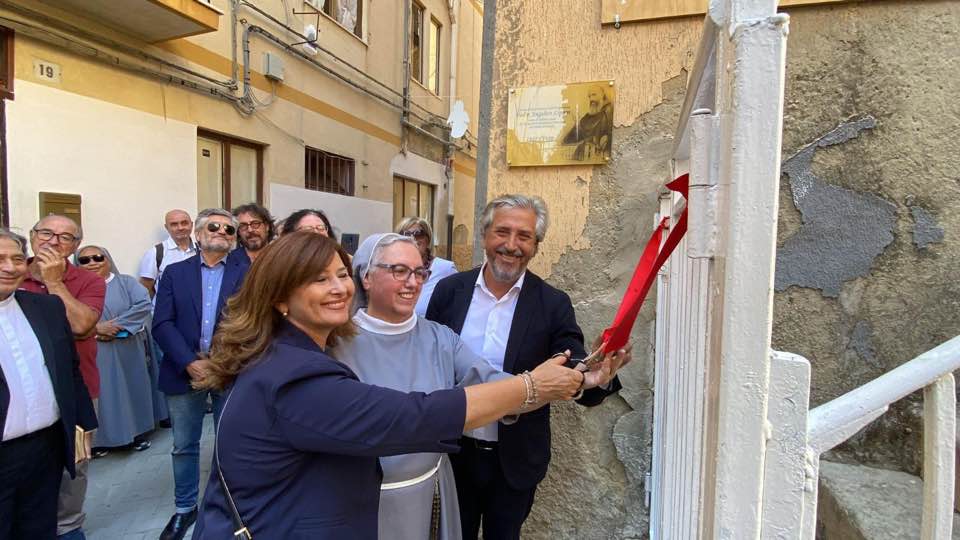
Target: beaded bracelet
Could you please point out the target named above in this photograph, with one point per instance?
(531, 387)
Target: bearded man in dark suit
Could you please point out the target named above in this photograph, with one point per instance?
(513, 319)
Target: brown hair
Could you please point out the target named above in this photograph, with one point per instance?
(251, 320)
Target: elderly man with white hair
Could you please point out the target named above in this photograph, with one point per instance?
(189, 302)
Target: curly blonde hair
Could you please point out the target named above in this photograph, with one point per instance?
(251, 320)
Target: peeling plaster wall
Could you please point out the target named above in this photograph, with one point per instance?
(867, 234)
(869, 238)
(598, 217)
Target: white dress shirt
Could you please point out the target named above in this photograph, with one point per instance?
(33, 405)
(486, 331)
(171, 254)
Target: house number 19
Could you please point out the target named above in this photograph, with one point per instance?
(46, 71)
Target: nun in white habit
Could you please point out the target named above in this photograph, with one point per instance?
(397, 349)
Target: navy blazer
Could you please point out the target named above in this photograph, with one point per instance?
(176, 316)
(48, 318)
(544, 324)
(299, 439)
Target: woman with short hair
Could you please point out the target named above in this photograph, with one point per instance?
(395, 348)
(421, 232)
(299, 435)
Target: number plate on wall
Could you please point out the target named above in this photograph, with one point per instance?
(46, 71)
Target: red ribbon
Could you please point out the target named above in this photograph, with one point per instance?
(653, 258)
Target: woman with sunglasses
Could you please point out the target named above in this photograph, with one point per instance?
(126, 396)
(299, 434)
(418, 229)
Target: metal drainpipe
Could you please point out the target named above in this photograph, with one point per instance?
(51, 22)
(405, 112)
(454, 7)
(483, 132)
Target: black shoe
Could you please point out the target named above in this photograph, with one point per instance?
(178, 525)
(141, 445)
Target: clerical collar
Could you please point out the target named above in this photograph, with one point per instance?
(379, 326)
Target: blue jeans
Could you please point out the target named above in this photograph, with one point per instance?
(76, 534)
(186, 415)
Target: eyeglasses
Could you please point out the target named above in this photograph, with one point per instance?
(229, 230)
(85, 259)
(401, 272)
(255, 225)
(415, 233)
(47, 234)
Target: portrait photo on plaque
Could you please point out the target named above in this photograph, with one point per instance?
(567, 124)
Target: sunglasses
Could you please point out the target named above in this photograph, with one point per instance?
(87, 259)
(415, 233)
(229, 230)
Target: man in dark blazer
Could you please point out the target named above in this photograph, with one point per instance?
(189, 302)
(514, 320)
(42, 400)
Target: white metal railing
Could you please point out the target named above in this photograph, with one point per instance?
(836, 421)
(714, 304)
(736, 450)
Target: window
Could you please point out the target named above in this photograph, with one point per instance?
(229, 171)
(433, 73)
(412, 198)
(416, 42)
(328, 172)
(348, 13)
(6, 63)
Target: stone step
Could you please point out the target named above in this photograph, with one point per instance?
(864, 503)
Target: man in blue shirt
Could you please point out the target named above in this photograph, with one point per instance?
(189, 302)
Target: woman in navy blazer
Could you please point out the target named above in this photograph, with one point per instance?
(299, 435)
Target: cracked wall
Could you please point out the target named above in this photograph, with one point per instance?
(867, 274)
(870, 118)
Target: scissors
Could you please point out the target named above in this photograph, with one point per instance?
(584, 364)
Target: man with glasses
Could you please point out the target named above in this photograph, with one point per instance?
(189, 300)
(177, 247)
(255, 230)
(53, 240)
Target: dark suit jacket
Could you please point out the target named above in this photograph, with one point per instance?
(299, 439)
(543, 324)
(48, 318)
(176, 317)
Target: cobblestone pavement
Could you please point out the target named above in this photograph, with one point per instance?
(130, 494)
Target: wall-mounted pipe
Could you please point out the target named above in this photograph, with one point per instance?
(48, 36)
(58, 24)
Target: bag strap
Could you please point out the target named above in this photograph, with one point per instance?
(159, 249)
(241, 530)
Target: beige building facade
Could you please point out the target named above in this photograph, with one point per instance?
(119, 111)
